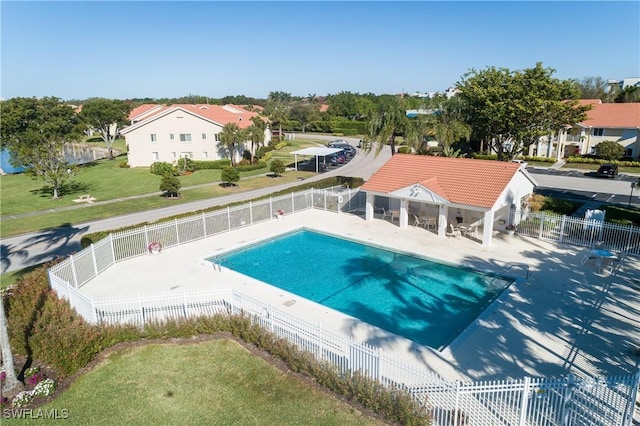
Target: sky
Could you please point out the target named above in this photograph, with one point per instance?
(123, 50)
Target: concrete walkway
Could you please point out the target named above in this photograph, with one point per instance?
(566, 318)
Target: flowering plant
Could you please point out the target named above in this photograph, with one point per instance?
(44, 388)
(22, 399)
(280, 212)
(511, 227)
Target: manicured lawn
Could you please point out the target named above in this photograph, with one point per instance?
(216, 382)
(89, 212)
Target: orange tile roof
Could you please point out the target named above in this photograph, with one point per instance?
(220, 114)
(614, 115)
(139, 110)
(459, 180)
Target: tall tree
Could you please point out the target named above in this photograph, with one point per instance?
(389, 122)
(303, 112)
(231, 137)
(277, 107)
(594, 88)
(106, 116)
(256, 134)
(35, 132)
(513, 109)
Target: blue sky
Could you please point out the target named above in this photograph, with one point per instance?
(77, 50)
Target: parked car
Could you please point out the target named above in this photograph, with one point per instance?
(310, 165)
(335, 158)
(522, 163)
(607, 170)
(344, 145)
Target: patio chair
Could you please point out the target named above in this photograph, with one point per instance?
(471, 231)
(616, 262)
(587, 256)
(432, 222)
(419, 221)
(454, 231)
(386, 214)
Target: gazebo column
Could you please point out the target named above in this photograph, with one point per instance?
(487, 229)
(404, 213)
(442, 220)
(369, 212)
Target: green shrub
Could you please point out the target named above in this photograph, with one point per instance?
(124, 165)
(249, 167)
(484, 157)
(26, 299)
(267, 156)
(591, 160)
(63, 339)
(404, 150)
(229, 175)
(170, 185)
(209, 165)
(161, 168)
(277, 167)
(185, 165)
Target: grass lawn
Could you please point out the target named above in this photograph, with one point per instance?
(216, 382)
(89, 212)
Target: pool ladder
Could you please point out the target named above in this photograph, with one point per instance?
(216, 265)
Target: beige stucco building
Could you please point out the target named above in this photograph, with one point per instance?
(161, 133)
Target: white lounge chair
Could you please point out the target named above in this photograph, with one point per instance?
(617, 262)
(454, 232)
(419, 221)
(386, 214)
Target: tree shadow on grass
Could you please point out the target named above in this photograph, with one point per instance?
(69, 188)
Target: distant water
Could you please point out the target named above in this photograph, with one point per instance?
(74, 154)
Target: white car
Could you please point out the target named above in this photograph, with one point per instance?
(522, 163)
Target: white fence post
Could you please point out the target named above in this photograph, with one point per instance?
(566, 401)
(73, 271)
(250, 213)
(541, 226)
(95, 262)
(113, 249)
(562, 225)
(175, 222)
(270, 207)
(229, 218)
(524, 400)
(204, 224)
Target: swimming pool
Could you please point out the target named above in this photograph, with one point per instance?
(425, 301)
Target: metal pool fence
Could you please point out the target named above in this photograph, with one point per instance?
(528, 401)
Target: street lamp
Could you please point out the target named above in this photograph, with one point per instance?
(633, 185)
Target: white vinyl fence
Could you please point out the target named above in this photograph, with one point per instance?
(578, 231)
(529, 401)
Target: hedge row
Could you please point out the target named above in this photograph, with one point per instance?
(349, 182)
(45, 328)
(208, 165)
(586, 160)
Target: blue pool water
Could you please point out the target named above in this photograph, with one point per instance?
(424, 301)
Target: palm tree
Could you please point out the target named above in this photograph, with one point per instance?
(230, 137)
(390, 121)
(256, 134)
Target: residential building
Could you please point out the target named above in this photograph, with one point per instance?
(167, 133)
(619, 122)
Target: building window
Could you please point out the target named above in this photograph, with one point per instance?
(628, 152)
(185, 137)
(173, 155)
(205, 155)
(153, 137)
(598, 132)
(171, 136)
(204, 136)
(217, 138)
(154, 155)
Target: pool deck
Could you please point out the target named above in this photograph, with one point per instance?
(566, 318)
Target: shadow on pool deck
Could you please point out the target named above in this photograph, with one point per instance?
(566, 318)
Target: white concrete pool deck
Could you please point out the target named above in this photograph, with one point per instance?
(565, 318)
